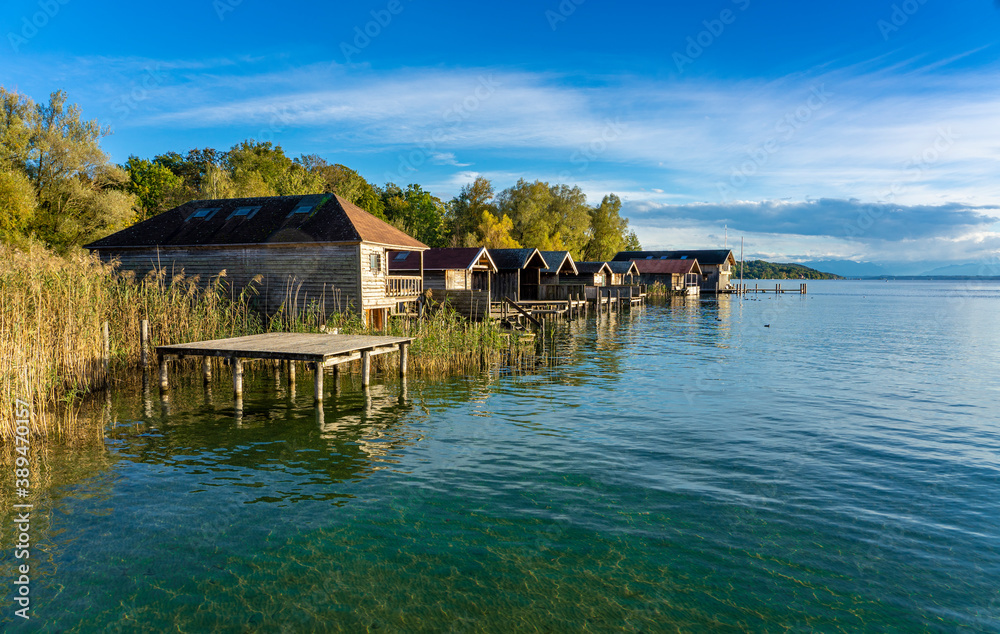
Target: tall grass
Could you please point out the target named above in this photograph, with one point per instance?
(53, 308)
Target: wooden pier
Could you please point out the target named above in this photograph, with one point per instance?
(744, 289)
(319, 351)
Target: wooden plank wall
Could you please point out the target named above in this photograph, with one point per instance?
(507, 284)
(326, 273)
(473, 305)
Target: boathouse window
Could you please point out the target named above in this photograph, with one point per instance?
(402, 255)
(244, 212)
(301, 209)
(205, 213)
(376, 262)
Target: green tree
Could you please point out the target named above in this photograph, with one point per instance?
(155, 187)
(467, 209)
(262, 169)
(608, 230)
(416, 212)
(17, 205)
(346, 183)
(495, 233)
(80, 195)
(551, 218)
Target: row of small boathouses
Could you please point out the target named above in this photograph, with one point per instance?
(324, 249)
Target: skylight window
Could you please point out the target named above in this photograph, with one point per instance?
(244, 212)
(402, 255)
(301, 209)
(204, 213)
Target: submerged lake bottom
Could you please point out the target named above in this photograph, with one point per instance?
(679, 467)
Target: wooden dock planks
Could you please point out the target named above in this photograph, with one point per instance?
(319, 350)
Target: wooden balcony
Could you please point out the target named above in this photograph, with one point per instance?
(403, 286)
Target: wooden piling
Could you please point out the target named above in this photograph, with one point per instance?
(144, 342)
(291, 372)
(366, 368)
(318, 371)
(238, 377)
(206, 367)
(164, 381)
(404, 358)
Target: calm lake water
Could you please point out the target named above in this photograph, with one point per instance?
(680, 467)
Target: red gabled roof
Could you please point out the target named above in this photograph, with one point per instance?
(667, 267)
(440, 259)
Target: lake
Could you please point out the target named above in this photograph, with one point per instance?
(821, 462)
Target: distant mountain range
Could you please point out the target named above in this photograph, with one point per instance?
(967, 269)
(850, 268)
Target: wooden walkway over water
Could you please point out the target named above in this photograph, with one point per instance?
(319, 351)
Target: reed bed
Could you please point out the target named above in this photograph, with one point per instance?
(53, 310)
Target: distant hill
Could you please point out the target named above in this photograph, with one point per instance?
(762, 270)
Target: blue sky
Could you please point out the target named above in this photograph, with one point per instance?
(867, 131)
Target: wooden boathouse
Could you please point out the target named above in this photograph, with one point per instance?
(293, 250)
(717, 265)
(519, 274)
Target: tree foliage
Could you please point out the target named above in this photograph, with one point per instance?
(608, 230)
(467, 212)
(762, 270)
(17, 205)
(416, 212)
(79, 195)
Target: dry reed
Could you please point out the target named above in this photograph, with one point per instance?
(52, 309)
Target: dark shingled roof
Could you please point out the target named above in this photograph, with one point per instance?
(557, 261)
(518, 258)
(705, 256)
(440, 259)
(667, 267)
(623, 268)
(329, 219)
(587, 268)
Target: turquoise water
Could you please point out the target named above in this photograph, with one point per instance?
(677, 468)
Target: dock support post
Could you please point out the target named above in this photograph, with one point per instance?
(318, 371)
(144, 342)
(404, 358)
(366, 368)
(164, 381)
(206, 366)
(238, 377)
(291, 372)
